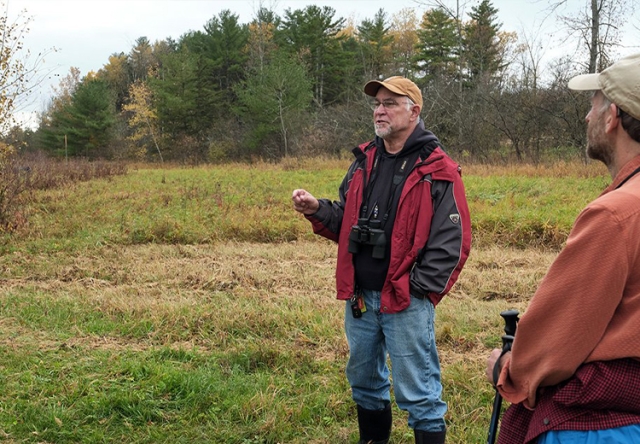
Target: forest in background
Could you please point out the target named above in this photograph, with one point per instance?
(291, 85)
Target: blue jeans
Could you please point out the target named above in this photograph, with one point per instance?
(627, 434)
(409, 339)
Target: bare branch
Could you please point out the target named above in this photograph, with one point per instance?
(21, 72)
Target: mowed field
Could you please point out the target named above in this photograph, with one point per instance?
(193, 305)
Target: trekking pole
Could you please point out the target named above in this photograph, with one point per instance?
(511, 322)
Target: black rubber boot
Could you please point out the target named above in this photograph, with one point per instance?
(423, 437)
(374, 425)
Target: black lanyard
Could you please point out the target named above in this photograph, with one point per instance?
(636, 171)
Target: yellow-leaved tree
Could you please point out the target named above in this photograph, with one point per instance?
(142, 119)
(405, 38)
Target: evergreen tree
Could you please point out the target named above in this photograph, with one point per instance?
(436, 49)
(481, 43)
(116, 74)
(140, 60)
(272, 101)
(226, 49)
(347, 76)
(175, 93)
(375, 40)
(83, 127)
(312, 34)
(219, 56)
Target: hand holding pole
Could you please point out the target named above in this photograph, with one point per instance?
(511, 323)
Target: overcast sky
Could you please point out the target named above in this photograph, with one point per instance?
(86, 32)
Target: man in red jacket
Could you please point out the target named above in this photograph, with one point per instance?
(573, 374)
(403, 231)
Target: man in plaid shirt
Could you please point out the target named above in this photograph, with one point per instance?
(573, 374)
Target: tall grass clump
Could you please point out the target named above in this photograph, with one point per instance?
(13, 183)
(22, 175)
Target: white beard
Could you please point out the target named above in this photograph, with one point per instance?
(383, 132)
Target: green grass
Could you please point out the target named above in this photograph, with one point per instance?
(161, 395)
(528, 211)
(252, 203)
(192, 305)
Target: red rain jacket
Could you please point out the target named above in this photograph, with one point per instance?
(431, 236)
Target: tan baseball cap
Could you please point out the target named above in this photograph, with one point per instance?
(398, 85)
(620, 83)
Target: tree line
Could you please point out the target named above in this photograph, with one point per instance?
(291, 85)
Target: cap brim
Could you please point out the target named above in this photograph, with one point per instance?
(585, 82)
(371, 88)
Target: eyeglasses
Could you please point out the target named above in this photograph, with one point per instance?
(387, 104)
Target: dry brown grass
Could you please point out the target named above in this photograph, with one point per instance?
(504, 274)
(560, 168)
(168, 283)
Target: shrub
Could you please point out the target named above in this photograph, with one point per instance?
(20, 174)
(14, 180)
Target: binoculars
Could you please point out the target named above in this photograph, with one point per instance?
(368, 233)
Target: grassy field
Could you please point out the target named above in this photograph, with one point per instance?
(192, 305)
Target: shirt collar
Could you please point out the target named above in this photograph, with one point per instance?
(624, 173)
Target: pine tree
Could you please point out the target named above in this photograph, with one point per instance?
(313, 35)
(481, 43)
(375, 40)
(273, 100)
(83, 127)
(226, 49)
(436, 49)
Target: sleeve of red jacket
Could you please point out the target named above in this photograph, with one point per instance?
(326, 222)
(442, 258)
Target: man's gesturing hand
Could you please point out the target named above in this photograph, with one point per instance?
(304, 202)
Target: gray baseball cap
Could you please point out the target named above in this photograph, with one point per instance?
(620, 83)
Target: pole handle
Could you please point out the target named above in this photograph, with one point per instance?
(510, 321)
(510, 325)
